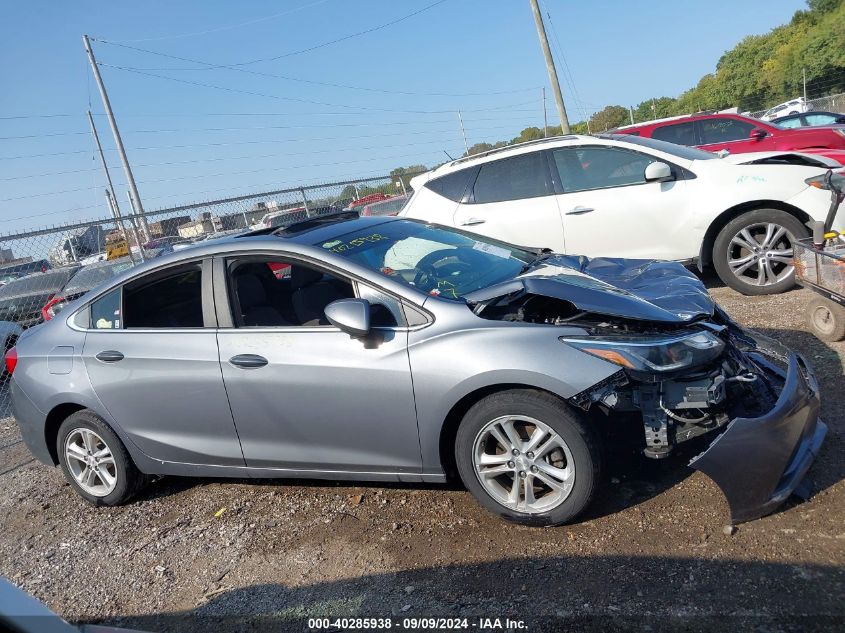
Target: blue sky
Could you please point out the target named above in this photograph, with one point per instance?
(189, 142)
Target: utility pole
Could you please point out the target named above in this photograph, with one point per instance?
(115, 209)
(631, 108)
(135, 220)
(135, 197)
(550, 66)
(463, 131)
(545, 116)
(804, 76)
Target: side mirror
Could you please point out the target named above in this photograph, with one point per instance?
(757, 134)
(351, 316)
(658, 172)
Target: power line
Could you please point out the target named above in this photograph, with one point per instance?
(212, 66)
(264, 141)
(333, 150)
(230, 27)
(329, 42)
(200, 176)
(308, 101)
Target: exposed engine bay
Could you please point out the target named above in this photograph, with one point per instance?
(676, 404)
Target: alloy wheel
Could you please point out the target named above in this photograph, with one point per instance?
(90, 462)
(523, 464)
(761, 254)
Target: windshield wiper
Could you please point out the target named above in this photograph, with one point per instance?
(542, 256)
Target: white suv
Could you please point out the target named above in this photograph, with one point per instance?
(787, 107)
(626, 196)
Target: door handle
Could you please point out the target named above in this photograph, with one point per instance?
(109, 356)
(579, 210)
(472, 222)
(248, 361)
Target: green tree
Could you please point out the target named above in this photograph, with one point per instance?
(610, 117)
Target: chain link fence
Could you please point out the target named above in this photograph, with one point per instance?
(830, 103)
(42, 269)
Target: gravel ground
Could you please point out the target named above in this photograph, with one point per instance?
(654, 552)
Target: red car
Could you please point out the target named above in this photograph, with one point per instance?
(740, 134)
(357, 205)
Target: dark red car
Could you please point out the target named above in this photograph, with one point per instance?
(740, 134)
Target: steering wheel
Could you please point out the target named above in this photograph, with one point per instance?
(429, 274)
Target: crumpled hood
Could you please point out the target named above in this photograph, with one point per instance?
(640, 289)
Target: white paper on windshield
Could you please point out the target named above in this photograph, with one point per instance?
(492, 249)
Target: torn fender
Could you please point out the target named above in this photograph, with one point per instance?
(759, 462)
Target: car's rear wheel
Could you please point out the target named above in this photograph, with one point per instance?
(753, 252)
(526, 456)
(95, 461)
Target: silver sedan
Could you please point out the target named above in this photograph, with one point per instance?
(393, 350)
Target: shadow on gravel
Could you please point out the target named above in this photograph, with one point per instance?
(596, 593)
(630, 479)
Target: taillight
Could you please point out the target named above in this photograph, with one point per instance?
(11, 359)
(53, 306)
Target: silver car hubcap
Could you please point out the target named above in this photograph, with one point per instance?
(90, 462)
(523, 464)
(761, 254)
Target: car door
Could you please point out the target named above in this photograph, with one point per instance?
(512, 199)
(306, 396)
(730, 134)
(610, 210)
(151, 356)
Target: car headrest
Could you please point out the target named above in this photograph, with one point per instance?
(300, 276)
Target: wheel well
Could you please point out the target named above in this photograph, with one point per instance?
(706, 254)
(453, 419)
(54, 420)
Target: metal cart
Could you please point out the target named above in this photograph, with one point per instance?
(822, 269)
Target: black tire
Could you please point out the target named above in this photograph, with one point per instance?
(753, 220)
(827, 319)
(582, 441)
(129, 480)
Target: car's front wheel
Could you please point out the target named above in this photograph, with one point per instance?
(753, 252)
(526, 456)
(95, 461)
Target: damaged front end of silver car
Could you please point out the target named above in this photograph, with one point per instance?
(685, 369)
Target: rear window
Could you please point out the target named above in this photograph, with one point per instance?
(91, 276)
(452, 186)
(678, 133)
(515, 178)
(171, 301)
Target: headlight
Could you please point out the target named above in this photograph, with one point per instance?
(652, 353)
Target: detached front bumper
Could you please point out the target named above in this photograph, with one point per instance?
(759, 462)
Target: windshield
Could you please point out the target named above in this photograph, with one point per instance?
(442, 262)
(681, 151)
